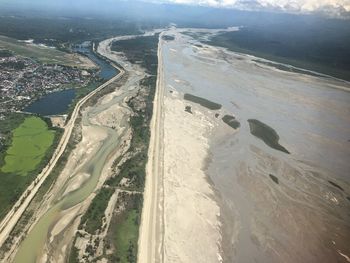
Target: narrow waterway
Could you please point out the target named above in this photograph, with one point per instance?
(106, 70)
(58, 102)
(32, 247)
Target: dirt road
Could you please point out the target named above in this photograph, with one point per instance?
(150, 243)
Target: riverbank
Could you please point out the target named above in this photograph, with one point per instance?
(109, 229)
(180, 213)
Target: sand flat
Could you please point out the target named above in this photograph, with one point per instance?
(191, 226)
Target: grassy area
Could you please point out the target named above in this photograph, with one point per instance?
(267, 134)
(74, 254)
(13, 184)
(124, 230)
(30, 142)
(42, 54)
(203, 102)
(231, 121)
(7, 125)
(126, 237)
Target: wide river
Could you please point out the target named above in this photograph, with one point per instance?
(275, 207)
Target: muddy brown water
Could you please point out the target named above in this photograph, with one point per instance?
(303, 218)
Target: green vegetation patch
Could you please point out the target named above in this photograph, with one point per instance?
(168, 38)
(126, 237)
(92, 219)
(43, 54)
(231, 121)
(13, 185)
(124, 230)
(188, 109)
(203, 102)
(274, 178)
(5, 53)
(30, 142)
(267, 134)
(141, 50)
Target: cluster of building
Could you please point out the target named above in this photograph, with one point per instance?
(23, 80)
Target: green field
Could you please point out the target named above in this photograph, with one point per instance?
(30, 142)
(42, 54)
(124, 230)
(127, 235)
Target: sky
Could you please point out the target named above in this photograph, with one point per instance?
(330, 8)
(282, 5)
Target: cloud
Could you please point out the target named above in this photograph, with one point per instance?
(304, 6)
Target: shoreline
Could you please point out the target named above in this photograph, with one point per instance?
(191, 202)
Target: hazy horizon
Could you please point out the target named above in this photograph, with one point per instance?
(324, 8)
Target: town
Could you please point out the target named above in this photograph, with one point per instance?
(23, 80)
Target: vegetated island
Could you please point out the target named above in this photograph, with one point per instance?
(188, 109)
(168, 38)
(231, 121)
(267, 134)
(274, 178)
(203, 102)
